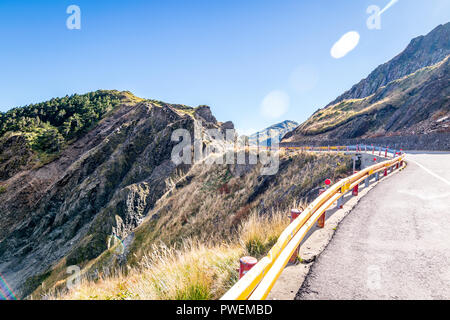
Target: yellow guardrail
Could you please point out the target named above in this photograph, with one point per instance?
(258, 281)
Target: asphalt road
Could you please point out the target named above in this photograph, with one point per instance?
(395, 244)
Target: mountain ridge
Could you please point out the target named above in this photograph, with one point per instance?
(411, 110)
(422, 51)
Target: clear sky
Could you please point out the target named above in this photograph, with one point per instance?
(255, 62)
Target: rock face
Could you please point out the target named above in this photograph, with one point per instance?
(408, 96)
(205, 113)
(101, 185)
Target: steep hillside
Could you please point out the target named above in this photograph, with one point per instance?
(101, 183)
(280, 129)
(403, 108)
(226, 211)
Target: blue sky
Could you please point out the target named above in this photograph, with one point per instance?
(227, 54)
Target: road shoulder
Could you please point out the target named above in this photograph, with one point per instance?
(293, 276)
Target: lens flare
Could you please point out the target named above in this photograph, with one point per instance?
(5, 292)
(345, 44)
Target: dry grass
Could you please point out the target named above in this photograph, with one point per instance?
(192, 271)
(225, 224)
(259, 233)
(215, 201)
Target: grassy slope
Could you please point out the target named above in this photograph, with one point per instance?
(188, 247)
(215, 201)
(192, 271)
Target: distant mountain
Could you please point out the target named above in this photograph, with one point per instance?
(421, 52)
(405, 101)
(279, 129)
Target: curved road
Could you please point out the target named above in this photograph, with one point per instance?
(395, 244)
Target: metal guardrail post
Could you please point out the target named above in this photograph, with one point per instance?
(294, 214)
(340, 203)
(321, 221)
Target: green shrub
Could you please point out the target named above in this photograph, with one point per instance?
(59, 119)
(49, 141)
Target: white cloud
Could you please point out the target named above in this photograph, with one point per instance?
(275, 104)
(304, 78)
(345, 44)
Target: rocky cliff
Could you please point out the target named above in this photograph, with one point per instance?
(102, 184)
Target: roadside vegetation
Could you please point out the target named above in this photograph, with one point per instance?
(191, 241)
(49, 126)
(190, 271)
